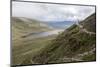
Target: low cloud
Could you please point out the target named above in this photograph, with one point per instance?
(50, 12)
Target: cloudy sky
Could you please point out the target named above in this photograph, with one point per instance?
(50, 12)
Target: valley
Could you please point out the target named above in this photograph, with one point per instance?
(37, 43)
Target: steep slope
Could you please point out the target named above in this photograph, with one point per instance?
(91, 26)
(76, 43)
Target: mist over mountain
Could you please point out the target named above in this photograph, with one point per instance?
(50, 12)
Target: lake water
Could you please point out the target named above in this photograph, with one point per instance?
(57, 26)
(43, 34)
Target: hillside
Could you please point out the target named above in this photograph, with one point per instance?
(91, 26)
(24, 45)
(22, 26)
(77, 43)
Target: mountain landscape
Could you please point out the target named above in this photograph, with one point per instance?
(22, 46)
(77, 43)
(44, 33)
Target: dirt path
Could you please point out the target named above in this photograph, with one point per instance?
(86, 53)
(83, 29)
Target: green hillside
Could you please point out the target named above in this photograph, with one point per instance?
(22, 26)
(76, 43)
(25, 47)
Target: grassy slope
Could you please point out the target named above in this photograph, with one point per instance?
(20, 27)
(69, 44)
(28, 48)
(23, 47)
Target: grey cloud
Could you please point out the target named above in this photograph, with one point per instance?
(49, 12)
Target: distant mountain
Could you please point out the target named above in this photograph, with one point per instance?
(77, 43)
(60, 24)
(23, 26)
(26, 38)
